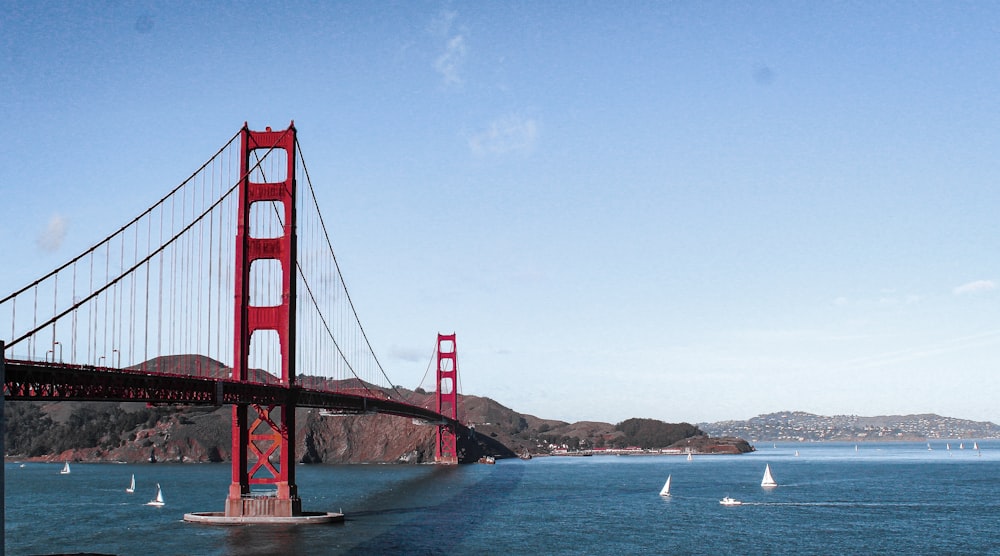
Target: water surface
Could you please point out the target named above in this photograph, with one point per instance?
(831, 498)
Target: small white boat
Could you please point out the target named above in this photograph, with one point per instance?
(727, 501)
(131, 486)
(975, 445)
(796, 453)
(690, 457)
(65, 469)
(665, 491)
(158, 501)
(961, 446)
(768, 480)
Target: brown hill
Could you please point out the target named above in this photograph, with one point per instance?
(134, 432)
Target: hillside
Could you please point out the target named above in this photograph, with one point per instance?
(802, 426)
(134, 432)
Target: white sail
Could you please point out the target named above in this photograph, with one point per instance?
(665, 491)
(158, 501)
(689, 456)
(65, 469)
(131, 486)
(768, 480)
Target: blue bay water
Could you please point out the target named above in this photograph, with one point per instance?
(881, 499)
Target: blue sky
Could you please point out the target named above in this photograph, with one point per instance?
(683, 211)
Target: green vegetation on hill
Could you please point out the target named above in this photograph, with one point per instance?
(650, 433)
(31, 432)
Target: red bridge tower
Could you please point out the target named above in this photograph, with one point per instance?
(447, 397)
(271, 429)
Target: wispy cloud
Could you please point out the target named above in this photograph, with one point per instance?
(440, 26)
(51, 238)
(976, 286)
(449, 63)
(504, 135)
(412, 355)
(989, 337)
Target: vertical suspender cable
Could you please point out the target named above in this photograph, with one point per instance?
(55, 309)
(159, 290)
(72, 338)
(145, 314)
(211, 248)
(107, 278)
(182, 282)
(91, 320)
(121, 302)
(35, 324)
(135, 286)
(172, 319)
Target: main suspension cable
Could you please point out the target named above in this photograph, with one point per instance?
(347, 294)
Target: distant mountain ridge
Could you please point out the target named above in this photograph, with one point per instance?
(801, 426)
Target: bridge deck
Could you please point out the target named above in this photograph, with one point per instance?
(32, 380)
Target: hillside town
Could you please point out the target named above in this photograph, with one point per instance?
(807, 427)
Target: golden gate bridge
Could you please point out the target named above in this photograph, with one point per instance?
(268, 313)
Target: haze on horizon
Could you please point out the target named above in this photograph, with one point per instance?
(684, 212)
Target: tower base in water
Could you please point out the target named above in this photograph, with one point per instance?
(305, 518)
(263, 509)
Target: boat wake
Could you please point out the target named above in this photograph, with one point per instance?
(843, 504)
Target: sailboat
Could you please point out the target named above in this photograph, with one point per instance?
(768, 480)
(131, 486)
(665, 491)
(65, 469)
(975, 445)
(690, 457)
(796, 453)
(158, 501)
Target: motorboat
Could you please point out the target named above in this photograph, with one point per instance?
(727, 501)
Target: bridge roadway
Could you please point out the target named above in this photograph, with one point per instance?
(37, 381)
